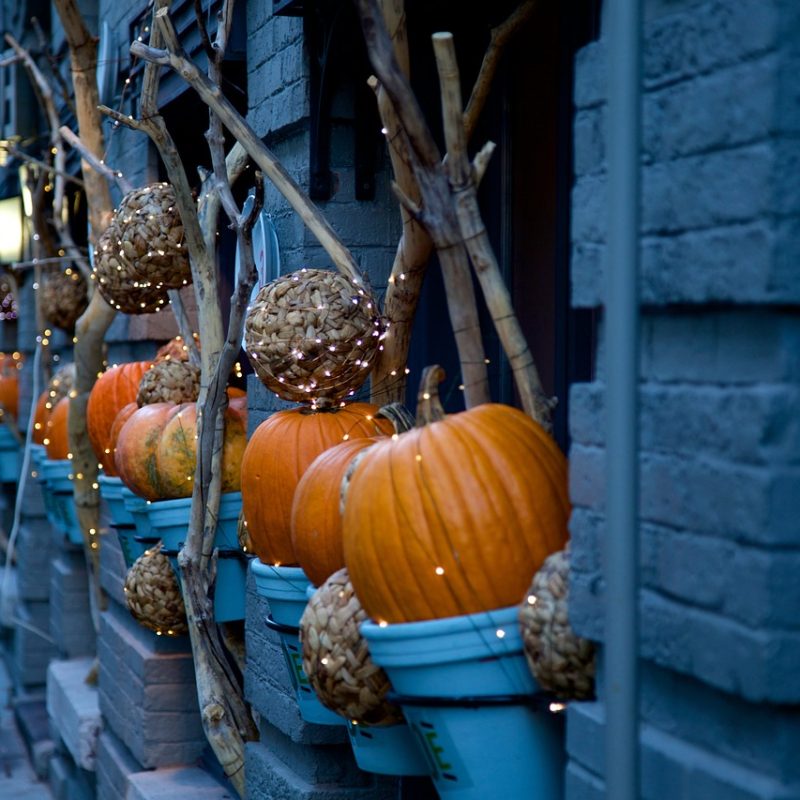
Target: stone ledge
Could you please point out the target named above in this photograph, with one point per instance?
(178, 783)
(74, 710)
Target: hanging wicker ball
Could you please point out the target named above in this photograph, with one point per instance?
(151, 236)
(336, 659)
(169, 382)
(311, 336)
(62, 297)
(153, 595)
(560, 660)
(142, 254)
(243, 535)
(117, 281)
(62, 383)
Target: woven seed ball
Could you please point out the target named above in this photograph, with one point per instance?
(62, 295)
(559, 659)
(116, 279)
(336, 659)
(62, 383)
(153, 595)
(311, 336)
(169, 382)
(151, 236)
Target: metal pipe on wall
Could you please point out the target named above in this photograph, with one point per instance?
(622, 375)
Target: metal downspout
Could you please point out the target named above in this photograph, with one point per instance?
(622, 372)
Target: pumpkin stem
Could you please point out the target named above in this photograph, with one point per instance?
(429, 406)
(398, 415)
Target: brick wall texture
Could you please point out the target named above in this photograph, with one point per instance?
(720, 403)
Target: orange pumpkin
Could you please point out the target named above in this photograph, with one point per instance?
(56, 438)
(135, 454)
(316, 517)
(277, 455)
(156, 450)
(9, 382)
(114, 389)
(176, 454)
(453, 518)
(124, 415)
(40, 417)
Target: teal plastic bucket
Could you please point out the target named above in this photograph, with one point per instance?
(137, 507)
(285, 589)
(57, 479)
(169, 522)
(469, 698)
(111, 489)
(38, 456)
(387, 749)
(9, 456)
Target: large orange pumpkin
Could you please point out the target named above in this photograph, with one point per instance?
(316, 516)
(277, 455)
(156, 450)
(455, 517)
(114, 389)
(56, 438)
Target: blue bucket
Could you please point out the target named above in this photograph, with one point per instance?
(9, 456)
(469, 698)
(169, 521)
(56, 476)
(111, 490)
(387, 749)
(285, 589)
(38, 456)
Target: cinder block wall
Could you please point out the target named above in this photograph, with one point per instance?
(720, 461)
(295, 759)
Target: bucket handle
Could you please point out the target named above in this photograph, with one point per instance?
(279, 627)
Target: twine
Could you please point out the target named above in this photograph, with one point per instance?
(560, 660)
(141, 254)
(336, 658)
(169, 382)
(62, 296)
(311, 336)
(153, 594)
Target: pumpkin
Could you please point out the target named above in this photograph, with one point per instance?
(40, 417)
(454, 517)
(316, 523)
(114, 389)
(56, 439)
(156, 450)
(278, 453)
(121, 418)
(176, 454)
(9, 383)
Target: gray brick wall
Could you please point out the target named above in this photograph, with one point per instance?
(719, 396)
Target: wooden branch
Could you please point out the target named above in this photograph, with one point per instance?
(415, 247)
(500, 37)
(436, 212)
(55, 67)
(227, 721)
(481, 162)
(97, 164)
(476, 240)
(381, 54)
(20, 155)
(264, 158)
